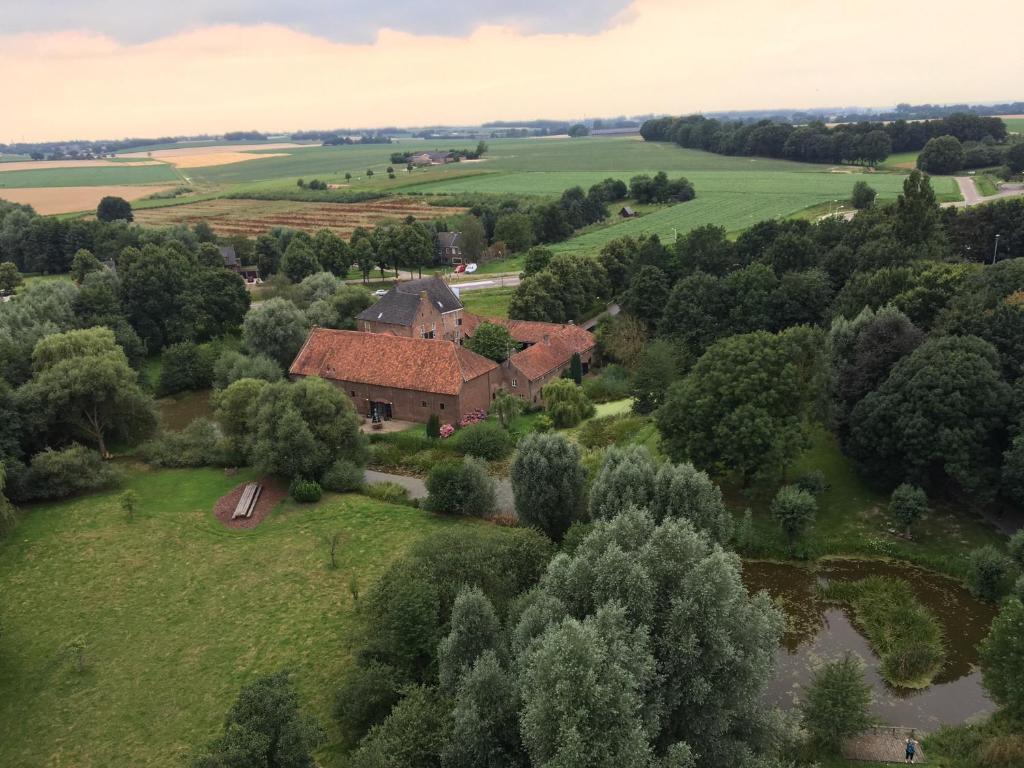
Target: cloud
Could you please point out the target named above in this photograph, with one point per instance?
(339, 20)
(672, 56)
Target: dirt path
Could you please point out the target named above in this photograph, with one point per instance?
(883, 745)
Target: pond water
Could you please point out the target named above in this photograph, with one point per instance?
(818, 631)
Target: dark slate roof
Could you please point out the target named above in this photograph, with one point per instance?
(398, 306)
(227, 252)
(447, 239)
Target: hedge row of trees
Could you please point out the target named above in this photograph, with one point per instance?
(868, 143)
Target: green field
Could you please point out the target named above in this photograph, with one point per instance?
(1014, 124)
(488, 302)
(176, 614)
(91, 176)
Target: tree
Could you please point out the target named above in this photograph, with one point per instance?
(1015, 157)
(988, 570)
(926, 420)
(657, 368)
(744, 406)
(1002, 659)
(917, 212)
(838, 703)
(332, 253)
(647, 294)
(578, 130)
(506, 407)
(515, 230)
(536, 259)
(82, 264)
(473, 237)
(129, 502)
(299, 261)
(265, 727)
(566, 403)
(213, 304)
(434, 426)
(84, 384)
(10, 278)
(493, 341)
(863, 195)
(1013, 471)
(907, 505)
(794, 509)
(152, 285)
(549, 483)
(275, 328)
(365, 258)
(943, 154)
(414, 734)
(184, 367)
(576, 368)
(485, 725)
(114, 209)
(874, 147)
(267, 254)
(475, 629)
(464, 488)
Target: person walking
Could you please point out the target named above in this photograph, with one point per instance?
(911, 751)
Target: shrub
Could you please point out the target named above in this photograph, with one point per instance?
(609, 430)
(863, 195)
(813, 481)
(543, 424)
(59, 474)
(343, 476)
(1016, 548)
(613, 384)
(198, 445)
(365, 698)
(566, 404)
(1001, 656)
(434, 426)
(487, 440)
(473, 417)
(461, 488)
(305, 491)
(388, 492)
(987, 572)
(906, 505)
(447, 430)
(184, 367)
(549, 483)
(837, 703)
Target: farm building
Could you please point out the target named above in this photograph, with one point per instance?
(628, 213)
(399, 377)
(449, 251)
(430, 158)
(425, 308)
(249, 273)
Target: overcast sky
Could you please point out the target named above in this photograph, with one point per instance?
(104, 69)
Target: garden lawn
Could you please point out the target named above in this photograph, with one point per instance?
(488, 302)
(852, 519)
(176, 614)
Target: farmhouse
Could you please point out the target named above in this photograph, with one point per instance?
(425, 308)
(430, 158)
(250, 274)
(449, 250)
(400, 377)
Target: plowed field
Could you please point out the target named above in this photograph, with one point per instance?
(253, 217)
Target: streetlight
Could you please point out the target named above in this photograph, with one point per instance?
(995, 251)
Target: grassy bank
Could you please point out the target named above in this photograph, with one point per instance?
(903, 632)
(176, 613)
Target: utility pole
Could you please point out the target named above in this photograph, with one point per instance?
(995, 250)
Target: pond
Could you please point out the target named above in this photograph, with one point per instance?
(178, 411)
(818, 631)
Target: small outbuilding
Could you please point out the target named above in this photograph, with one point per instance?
(628, 213)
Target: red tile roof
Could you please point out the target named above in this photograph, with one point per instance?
(424, 365)
(545, 356)
(523, 331)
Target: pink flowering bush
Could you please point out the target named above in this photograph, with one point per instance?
(473, 417)
(447, 430)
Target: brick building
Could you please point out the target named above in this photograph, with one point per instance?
(400, 377)
(424, 309)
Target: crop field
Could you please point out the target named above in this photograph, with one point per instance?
(176, 613)
(91, 176)
(253, 217)
(1014, 124)
(54, 200)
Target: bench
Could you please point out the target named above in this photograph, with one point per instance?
(246, 504)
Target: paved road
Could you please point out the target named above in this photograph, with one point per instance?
(473, 283)
(969, 191)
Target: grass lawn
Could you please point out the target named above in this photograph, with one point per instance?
(489, 302)
(176, 614)
(986, 184)
(852, 519)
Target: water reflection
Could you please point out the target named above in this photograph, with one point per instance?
(817, 631)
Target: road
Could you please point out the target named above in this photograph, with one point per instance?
(472, 283)
(969, 191)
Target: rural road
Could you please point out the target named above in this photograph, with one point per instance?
(969, 191)
(504, 280)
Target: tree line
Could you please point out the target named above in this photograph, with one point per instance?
(866, 142)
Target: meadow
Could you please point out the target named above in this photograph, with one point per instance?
(175, 614)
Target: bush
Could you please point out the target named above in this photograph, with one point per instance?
(794, 509)
(613, 384)
(988, 570)
(232, 366)
(837, 703)
(907, 504)
(365, 698)
(343, 476)
(59, 474)
(813, 481)
(388, 492)
(549, 484)
(305, 491)
(1001, 655)
(487, 440)
(461, 488)
(543, 424)
(434, 426)
(198, 445)
(184, 367)
(863, 195)
(609, 430)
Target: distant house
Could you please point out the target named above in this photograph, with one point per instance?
(449, 251)
(627, 213)
(395, 377)
(250, 274)
(430, 158)
(425, 308)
